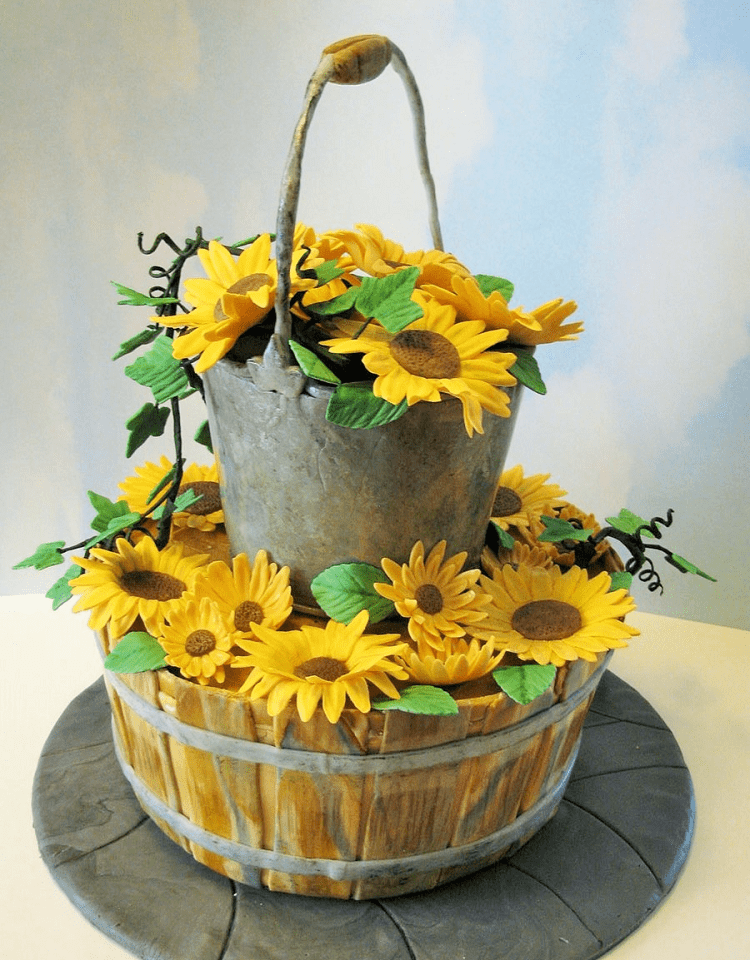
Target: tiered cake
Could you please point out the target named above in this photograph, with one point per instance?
(352, 655)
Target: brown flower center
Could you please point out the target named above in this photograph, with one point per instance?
(546, 620)
(326, 668)
(246, 613)
(255, 281)
(425, 353)
(429, 598)
(152, 585)
(200, 642)
(507, 502)
(208, 491)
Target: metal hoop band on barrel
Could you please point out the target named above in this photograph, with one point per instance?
(352, 870)
(331, 763)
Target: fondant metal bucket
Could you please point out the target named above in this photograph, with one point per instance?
(315, 494)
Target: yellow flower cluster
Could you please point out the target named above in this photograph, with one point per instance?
(199, 611)
(531, 604)
(451, 351)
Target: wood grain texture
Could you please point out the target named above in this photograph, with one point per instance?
(592, 875)
(172, 737)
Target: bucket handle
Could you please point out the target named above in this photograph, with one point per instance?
(350, 61)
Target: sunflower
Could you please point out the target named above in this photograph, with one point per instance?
(525, 327)
(327, 664)
(198, 640)
(372, 253)
(522, 553)
(549, 317)
(120, 585)
(436, 597)
(434, 356)
(550, 617)
(519, 500)
(457, 661)
(561, 552)
(235, 296)
(314, 251)
(257, 594)
(465, 295)
(203, 515)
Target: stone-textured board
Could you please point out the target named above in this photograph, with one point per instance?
(589, 878)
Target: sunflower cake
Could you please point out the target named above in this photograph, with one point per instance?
(408, 709)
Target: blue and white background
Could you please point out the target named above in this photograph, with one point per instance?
(598, 151)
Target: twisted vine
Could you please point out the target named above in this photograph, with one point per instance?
(639, 564)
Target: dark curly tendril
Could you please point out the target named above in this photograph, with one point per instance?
(169, 288)
(172, 274)
(639, 564)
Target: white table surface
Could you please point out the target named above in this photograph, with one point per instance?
(695, 675)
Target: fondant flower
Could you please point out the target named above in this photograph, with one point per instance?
(120, 585)
(235, 296)
(552, 329)
(521, 554)
(325, 665)
(456, 661)
(313, 251)
(257, 594)
(204, 514)
(519, 499)
(561, 553)
(551, 617)
(436, 597)
(525, 327)
(432, 357)
(372, 253)
(198, 640)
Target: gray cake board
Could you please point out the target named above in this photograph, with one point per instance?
(589, 878)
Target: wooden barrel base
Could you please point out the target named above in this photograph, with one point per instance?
(587, 880)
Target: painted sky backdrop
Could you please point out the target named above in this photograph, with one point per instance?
(595, 151)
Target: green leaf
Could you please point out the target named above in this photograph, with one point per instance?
(181, 503)
(355, 405)
(116, 525)
(558, 530)
(526, 371)
(488, 285)
(139, 340)
(45, 555)
(136, 653)
(388, 299)
(424, 699)
(135, 299)
(203, 436)
(506, 540)
(629, 522)
(311, 364)
(621, 580)
(150, 421)
(60, 592)
(346, 588)
(340, 304)
(106, 510)
(525, 683)
(327, 271)
(685, 566)
(161, 372)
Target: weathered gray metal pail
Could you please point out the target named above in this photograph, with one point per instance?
(315, 494)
